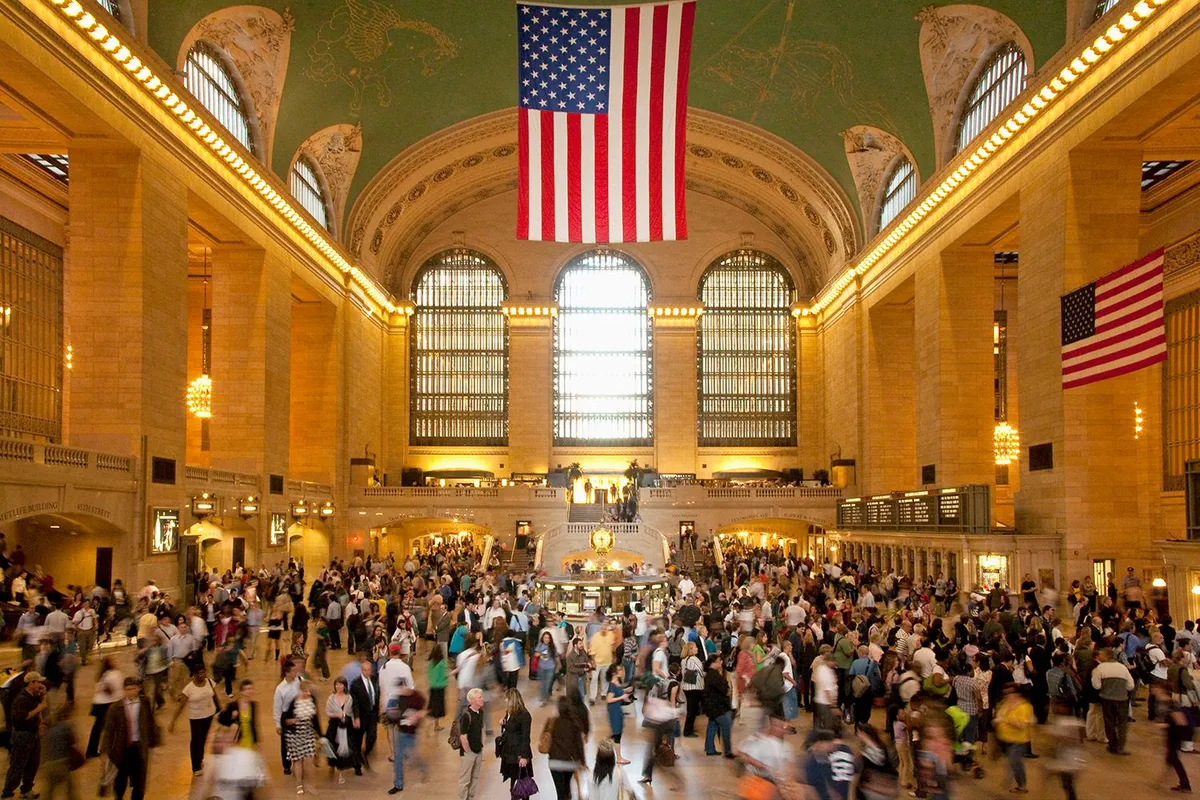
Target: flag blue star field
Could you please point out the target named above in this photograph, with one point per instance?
(1114, 325)
(602, 97)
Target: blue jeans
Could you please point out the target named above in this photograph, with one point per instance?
(724, 723)
(1016, 762)
(402, 743)
(546, 676)
(629, 664)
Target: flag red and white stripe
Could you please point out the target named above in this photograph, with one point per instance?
(1128, 328)
(613, 174)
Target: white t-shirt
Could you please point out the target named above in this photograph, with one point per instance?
(771, 751)
(200, 700)
(466, 665)
(923, 661)
(661, 662)
(642, 618)
(795, 615)
(825, 688)
(1160, 661)
(686, 587)
(394, 675)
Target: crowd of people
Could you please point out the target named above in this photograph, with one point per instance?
(910, 685)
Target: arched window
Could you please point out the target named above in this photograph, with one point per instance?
(746, 342)
(459, 347)
(210, 82)
(1104, 6)
(113, 7)
(999, 84)
(306, 188)
(602, 378)
(898, 191)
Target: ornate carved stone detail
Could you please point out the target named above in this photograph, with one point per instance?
(258, 42)
(953, 41)
(336, 151)
(729, 160)
(870, 151)
(1182, 256)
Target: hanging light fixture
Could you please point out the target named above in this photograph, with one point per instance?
(199, 391)
(1006, 441)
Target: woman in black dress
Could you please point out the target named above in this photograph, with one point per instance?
(514, 748)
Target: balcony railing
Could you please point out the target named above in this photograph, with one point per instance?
(219, 477)
(56, 455)
(369, 495)
(696, 492)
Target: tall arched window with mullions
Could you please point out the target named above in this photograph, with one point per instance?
(459, 348)
(602, 375)
(746, 353)
(998, 85)
(209, 76)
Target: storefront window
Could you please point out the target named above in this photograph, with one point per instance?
(993, 569)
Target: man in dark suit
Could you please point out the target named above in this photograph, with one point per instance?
(129, 733)
(365, 691)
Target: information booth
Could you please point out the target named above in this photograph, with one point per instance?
(580, 595)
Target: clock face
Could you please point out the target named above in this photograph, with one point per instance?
(602, 540)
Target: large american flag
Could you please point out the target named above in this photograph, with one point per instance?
(603, 110)
(1115, 325)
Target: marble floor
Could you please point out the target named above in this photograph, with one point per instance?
(1141, 775)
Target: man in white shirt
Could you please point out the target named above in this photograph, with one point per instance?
(660, 660)
(924, 659)
(686, 587)
(285, 693)
(795, 613)
(84, 621)
(57, 623)
(396, 678)
(825, 689)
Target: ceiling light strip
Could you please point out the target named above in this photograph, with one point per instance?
(1000, 138)
(152, 84)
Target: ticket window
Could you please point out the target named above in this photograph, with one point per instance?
(591, 601)
(993, 569)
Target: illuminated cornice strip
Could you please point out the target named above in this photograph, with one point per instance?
(154, 85)
(1000, 139)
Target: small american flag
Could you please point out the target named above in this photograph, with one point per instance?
(602, 96)
(1115, 325)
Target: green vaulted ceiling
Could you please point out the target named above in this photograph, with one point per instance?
(804, 70)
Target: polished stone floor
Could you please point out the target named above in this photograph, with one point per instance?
(1141, 775)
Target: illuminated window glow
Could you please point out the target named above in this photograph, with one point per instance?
(746, 353)
(602, 369)
(459, 349)
(1002, 80)
(210, 82)
(1104, 6)
(306, 188)
(898, 191)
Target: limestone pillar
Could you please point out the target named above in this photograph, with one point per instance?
(315, 398)
(530, 392)
(396, 397)
(810, 395)
(953, 312)
(125, 297)
(1079, 222)
(675, 402)
(889, 401)
(251, 360)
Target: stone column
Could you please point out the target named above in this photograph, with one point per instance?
(125, 295)
(953, 311)
(1079, 222)
(316, 347)
(889, 401)
(397, 396)
(530, 392)
(251, 360)
(675, 394)
(810, 395)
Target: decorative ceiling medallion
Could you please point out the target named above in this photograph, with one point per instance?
(701, 152)
(789, 193)
(732, 162)
(442, 174)
(762, 174)
(504, 152)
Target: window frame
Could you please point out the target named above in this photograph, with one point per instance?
(560, 416)
(317, 186)
(444, 261)
(739, 309)
(235, 95)
(891, 189)
(990, 82)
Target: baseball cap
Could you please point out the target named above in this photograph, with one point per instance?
(34, 677)
(394, 649)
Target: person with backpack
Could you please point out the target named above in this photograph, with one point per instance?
(1154, 664)
(866, 684)
(1115, 685)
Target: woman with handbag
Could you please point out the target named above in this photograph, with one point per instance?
(693, 687)
(616, 697)
(513, 747)
(301, 726)
(565, 747)
(661, 716)
(339, 708)
(199, 697)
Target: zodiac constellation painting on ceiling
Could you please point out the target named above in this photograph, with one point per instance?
(806, 74)
(362, 42)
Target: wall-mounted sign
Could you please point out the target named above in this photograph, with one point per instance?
(164, 537)
(278, 530)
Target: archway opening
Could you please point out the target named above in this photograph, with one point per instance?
(72, 549)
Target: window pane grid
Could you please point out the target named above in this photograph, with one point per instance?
(899, 191)
(1104, 6)
(999, 85)
(602, 355)
(306, 188)
(746, 354)
(31, 346)
(209, 82)
(55, 165)
(459, 348)
(1155, 172)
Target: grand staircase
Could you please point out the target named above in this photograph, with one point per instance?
(519, 560)
(689, 559)
(586, 512)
